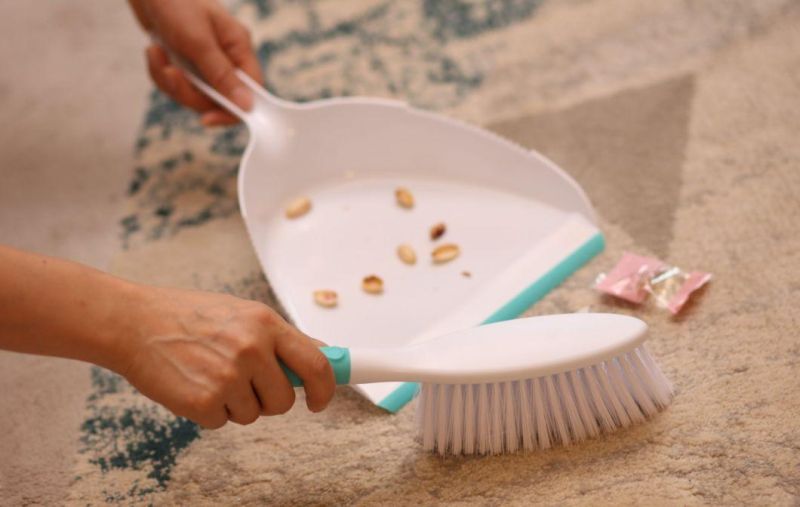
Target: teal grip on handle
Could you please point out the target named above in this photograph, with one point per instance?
(339, 357)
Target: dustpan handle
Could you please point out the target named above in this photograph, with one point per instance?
(262, 99)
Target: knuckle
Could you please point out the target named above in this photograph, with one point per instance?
(247, 349)
(227, 376)
(204, 402)
(264, 316)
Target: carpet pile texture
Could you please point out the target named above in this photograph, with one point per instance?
(680, 120)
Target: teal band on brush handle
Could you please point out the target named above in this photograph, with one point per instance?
(339, 357)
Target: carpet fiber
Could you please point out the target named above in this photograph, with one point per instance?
(680, 119)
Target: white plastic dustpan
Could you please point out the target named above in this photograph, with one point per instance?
(522, 224)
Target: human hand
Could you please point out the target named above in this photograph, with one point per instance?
(204, 33)
(213, 358)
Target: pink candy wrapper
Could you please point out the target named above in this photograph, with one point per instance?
(629, 277)
(635, 276)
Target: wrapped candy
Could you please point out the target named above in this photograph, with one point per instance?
(673, 287)
(628, 279)
(635, 277)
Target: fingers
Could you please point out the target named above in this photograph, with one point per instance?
(213, 41)
(235, 41)
(219, 71)
(305, 359)
(156, 61)
(243, 404)
(273, 388)
(183, 91)
(212, 421)
(216, 44)
(174, 83)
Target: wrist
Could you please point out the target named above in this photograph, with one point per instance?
(121, 334)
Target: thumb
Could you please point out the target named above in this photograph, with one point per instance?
(218, 70)
(235, 40)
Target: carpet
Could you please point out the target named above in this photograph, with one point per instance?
(680, 120)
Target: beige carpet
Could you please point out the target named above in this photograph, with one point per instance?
(681, 121)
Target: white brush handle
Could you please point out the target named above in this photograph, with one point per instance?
(511, 350)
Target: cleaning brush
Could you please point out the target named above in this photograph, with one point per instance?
(522, 384)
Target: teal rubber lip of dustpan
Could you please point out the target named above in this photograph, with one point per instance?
(521, 223)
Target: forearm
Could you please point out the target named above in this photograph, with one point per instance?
(210, 357)
(54, 307)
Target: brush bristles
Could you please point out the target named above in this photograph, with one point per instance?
(540, 413)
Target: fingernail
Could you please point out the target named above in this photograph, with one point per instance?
(242, 97)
